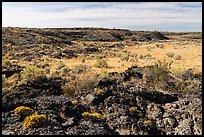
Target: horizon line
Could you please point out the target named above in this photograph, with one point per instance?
(96, 28)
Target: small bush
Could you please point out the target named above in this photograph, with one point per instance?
(70, 89)
(83, 59)
(34, 120)
(125, 58)
(105, 74)
(54, 74)
(101, 63)
(79, 83)
(170, 54)
(178, 57)
(87, 82)
(6, 64)
(30, 73)
(185, 74)
(160, 71)
(64, 71)
(79, 68)
(190, 86)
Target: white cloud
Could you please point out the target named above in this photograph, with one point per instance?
(118, 15)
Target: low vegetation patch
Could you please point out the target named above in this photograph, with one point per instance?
(93, 115)
(30, 73)
(178, 57)
(23, 111)
(101, 63)
(170, 54)
(34, 120)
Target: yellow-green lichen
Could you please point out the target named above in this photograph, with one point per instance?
(74, 102)
(95, 115)
(148, 123)
(34, 120)
(23, 111)
(132, 109)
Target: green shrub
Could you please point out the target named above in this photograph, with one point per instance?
(30, 73)
(101, 63)
(160, 71)
(189, 86)
(6, 64)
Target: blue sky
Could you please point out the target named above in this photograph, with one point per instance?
(162, 16)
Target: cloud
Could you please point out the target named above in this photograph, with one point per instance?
(131, 15)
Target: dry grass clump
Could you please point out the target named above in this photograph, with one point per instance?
(79, 83)
(104, 74)
(101, 63)
(125, 58)
(178, 57)
(60, 66)
(170, 54)
(80, 68)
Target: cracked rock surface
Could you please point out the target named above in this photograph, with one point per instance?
(125, 108)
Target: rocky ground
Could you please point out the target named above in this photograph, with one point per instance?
(126, 103)
(125, 107)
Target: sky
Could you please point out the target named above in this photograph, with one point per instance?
(162, 16)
